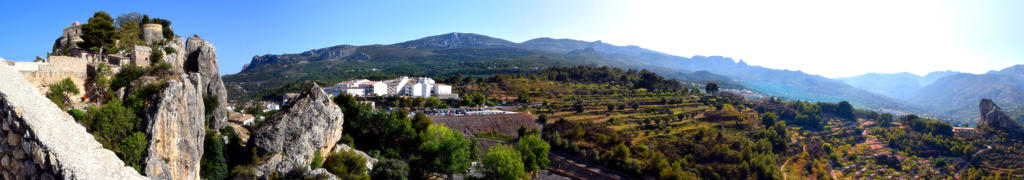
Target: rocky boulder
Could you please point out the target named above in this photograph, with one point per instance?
(993, 117)
(175, 125)
(311, 123)
(201, 57)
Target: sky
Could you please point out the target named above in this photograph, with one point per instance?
(829, 38)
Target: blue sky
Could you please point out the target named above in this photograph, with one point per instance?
(833, 39)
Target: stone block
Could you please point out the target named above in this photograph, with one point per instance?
(13, 138)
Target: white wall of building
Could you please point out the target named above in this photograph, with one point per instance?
(442, 89)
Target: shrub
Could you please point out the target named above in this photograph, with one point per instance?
(156, 55)
(133, 150)
(318, 160)
(170, 50)
(60, 92)
(77, 114)
(390, 169)
(346, 165)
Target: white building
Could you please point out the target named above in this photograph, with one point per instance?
(397, 86)
(354, 91)
(376, 88)
(442, 89)
(403, 86)
(359, 87)
(420, 89)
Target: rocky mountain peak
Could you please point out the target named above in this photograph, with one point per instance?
(456, 40)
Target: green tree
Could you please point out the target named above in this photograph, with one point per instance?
(390, 169)
(133, 150)
(433, 102)
(128, 18)
(503, 162)
(768, 119)
(99, 33)
(420, 122)
(61, 92)
(111, 122)
(846, 111)
(534, 152)
(346, 165)
(101, 83)
(444, 150)
(213, 165)
(711, 88)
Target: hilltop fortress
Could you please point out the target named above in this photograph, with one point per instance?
(68, 60)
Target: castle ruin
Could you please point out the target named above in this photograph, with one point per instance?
(68, 60)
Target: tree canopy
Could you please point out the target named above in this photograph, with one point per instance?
(503, 162)
(99, 33)
(534, 152)
(445, 151)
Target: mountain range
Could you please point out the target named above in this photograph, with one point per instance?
(946, 93)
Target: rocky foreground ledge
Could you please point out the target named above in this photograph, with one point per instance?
(42, 142)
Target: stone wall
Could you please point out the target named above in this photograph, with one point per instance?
(42, 142)
(43, 74)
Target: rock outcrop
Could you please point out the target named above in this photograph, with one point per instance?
(993, 117)
(176, 59)
(40, 141)
(311, 123)
(175, 125)
(201, 57)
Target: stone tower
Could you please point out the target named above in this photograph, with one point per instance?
(152, 32)
(69, 40)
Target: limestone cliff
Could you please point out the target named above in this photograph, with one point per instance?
(200, 56)
(993, 117)
(175, 125)
(292, 136)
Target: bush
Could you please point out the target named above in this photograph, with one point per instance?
(346, 165)
(318, 160)
(133, 150)
(161, 66)
(156, 55)
(60, 93)
(77, 114)
(170, 50)
(128, 73)
(390, 169)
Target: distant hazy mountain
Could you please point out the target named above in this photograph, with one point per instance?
(895, 85)
(478, 54)
(958, 95)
